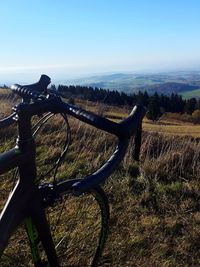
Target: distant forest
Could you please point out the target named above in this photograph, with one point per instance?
(163, 103)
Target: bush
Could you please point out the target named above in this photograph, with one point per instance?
(196, 116)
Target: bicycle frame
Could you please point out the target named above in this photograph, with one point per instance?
(25, 200)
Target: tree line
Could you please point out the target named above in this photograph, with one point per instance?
(156, 104)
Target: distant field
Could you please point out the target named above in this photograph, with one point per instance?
(121, 82)
(190, 94)
(170, 128)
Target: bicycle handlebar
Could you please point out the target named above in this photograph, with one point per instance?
(123, 129)
(55, 105)
(52, 103)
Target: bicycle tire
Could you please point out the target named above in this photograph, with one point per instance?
(79, 231)
(91, 214)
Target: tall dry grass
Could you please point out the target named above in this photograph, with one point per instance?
(170, 159)
(7, 101)
(155, 205)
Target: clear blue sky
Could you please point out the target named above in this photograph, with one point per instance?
(77, 37)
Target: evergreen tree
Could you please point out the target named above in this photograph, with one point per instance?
(157, 103)
(154, 108)
(190, 105)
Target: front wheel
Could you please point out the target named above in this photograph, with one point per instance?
(79, 225)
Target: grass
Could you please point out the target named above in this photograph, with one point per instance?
(155, 206)
(7, 100)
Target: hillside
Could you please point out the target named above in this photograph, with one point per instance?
(166, 83)
(170, 87)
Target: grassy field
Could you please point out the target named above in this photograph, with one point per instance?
(155, 205)
(190, 94)
(172, 128)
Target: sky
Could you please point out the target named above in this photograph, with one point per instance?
(65, 38)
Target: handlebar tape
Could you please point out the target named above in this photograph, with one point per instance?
(126, 128)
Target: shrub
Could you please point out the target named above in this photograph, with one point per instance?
(196, 116)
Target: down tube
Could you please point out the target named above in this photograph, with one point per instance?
(13, 213)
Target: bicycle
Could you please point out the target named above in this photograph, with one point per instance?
(30, 199)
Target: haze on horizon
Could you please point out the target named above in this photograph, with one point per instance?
(75, 38)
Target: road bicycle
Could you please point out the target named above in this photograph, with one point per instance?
(33, 208)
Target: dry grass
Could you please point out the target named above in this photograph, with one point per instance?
(156, 213)
(155, 207)
(7, 100)
(171, 128)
